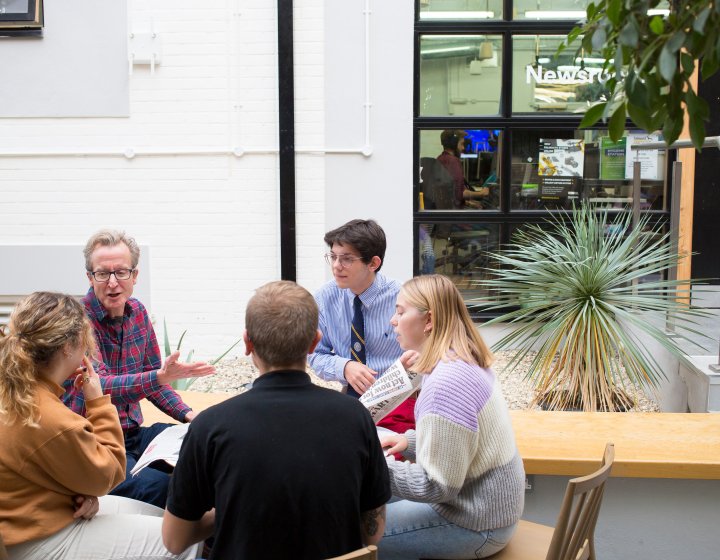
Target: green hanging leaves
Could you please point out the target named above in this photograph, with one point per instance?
(629, 36)
(593, 115)
(613, 11)
(617, 123)
(657, 25)
(701, 20)
(654, 59)
(667, 63)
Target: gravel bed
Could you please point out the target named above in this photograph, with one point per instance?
(235, 376)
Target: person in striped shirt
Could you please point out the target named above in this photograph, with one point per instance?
(130, 365)
(357, 251)
(461, 488)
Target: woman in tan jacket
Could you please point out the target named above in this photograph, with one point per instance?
(54, 463)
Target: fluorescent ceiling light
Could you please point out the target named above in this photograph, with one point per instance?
(448, 49)
(592, 60)
(457, 15)
(555, 14)
(448, 37)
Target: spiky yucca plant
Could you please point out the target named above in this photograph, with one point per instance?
(572, 285)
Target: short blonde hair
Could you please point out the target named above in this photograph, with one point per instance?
(110, 238)
(40, 326)
(453, 334)
(281, 321)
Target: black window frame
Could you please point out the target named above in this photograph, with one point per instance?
(505, 121)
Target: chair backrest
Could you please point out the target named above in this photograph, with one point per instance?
(574, 534)
(367, 553)
(437, 185)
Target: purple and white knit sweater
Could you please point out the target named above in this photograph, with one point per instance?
(467, 465)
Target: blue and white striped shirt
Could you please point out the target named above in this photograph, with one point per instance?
(336, 313)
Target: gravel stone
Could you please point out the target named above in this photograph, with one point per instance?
(235, 376)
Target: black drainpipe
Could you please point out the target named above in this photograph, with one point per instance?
(286, 101)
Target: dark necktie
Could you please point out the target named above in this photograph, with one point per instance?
(357, 338)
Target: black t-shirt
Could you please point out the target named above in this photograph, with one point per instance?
(289, 467)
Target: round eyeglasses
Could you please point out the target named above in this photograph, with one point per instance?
(346, 261)
(104, 275)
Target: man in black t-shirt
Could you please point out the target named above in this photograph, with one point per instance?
(288, 469)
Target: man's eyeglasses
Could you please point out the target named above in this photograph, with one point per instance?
(104, 275)
(346, 261)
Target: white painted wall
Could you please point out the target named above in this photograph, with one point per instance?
(80, 74)
(379, 186)
(211, 222)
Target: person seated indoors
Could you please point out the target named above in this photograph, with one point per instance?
(464, 493)
(358, 292)
(130, 366)
(288, 469)
(53, 463)
(453, 143)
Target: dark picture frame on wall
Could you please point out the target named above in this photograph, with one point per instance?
(21, 17)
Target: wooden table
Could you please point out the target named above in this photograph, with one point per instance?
(194, 399)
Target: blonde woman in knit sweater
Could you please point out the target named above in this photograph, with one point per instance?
(53, 463)
(462, 490)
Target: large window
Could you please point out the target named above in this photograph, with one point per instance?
(497, 143)
(460, 9)
(460, 75)
(553, 169)
(544, 83)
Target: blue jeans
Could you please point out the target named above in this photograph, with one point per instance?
(414, 530)
(151, 484)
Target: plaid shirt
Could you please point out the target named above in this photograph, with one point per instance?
(130, 358)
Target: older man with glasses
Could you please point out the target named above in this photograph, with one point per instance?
(130, 365)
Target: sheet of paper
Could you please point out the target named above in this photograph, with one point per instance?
(165, 447)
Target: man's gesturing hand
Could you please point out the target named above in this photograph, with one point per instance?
(359, 376)
(172, 370)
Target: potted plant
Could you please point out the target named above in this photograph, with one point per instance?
(573, 290)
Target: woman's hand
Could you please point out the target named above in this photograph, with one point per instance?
(409, 358)
(394, 444)
(85, 506)
(88, 381)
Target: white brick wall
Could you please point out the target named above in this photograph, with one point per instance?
(211, 222)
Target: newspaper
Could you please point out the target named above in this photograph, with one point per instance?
(389, 391)
(164, 447)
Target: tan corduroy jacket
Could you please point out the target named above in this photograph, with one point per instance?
(42, 468)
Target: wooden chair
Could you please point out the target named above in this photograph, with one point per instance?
(574, 533)
(367, 553)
